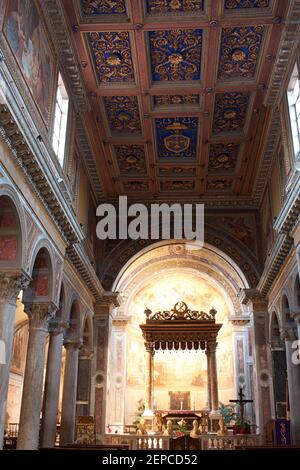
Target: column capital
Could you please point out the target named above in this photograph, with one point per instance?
(73, 343)
(40, 314)
(288, 334)
(110, 299)
(149, 346)
(11, 283)
(211, 346)
(86, 352)
(57, 327)
(254, 299)
(296, 317)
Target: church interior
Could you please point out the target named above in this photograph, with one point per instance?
(123, 343)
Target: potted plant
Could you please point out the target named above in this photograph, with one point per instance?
(241, 427)
(228, 413)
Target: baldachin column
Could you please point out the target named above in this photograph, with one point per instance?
(211, 350)
(149, 379)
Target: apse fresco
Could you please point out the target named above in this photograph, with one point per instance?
(177, 371)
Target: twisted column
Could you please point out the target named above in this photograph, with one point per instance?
(39, 314)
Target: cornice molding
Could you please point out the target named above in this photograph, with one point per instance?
(288, 44)
(12, 135)
(280, 251)
(61, 35)
(267, 156)
(88, 274)
(290, 212)
(89, 159)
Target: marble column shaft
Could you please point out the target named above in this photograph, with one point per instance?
(68, 415)
(212, 346)
(9, 290)
(39, 316)
(149, 379)
(52, 384)
(208, 380)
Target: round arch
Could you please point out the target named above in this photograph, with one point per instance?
(73, 318)
(41, 271)
(12, 231)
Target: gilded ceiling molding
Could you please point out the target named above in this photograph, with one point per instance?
(288, 44)
(61, 35)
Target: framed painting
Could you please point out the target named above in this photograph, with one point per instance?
(19, 350)
(28, 40)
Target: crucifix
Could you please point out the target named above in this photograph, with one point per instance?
(241, 402)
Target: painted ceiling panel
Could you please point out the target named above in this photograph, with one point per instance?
(123, 114)
(177, 138)
(239, 4)
(239, 51)
(176, 89)
(159, 7)
(221, 184)
(131, 159)
(230, 111)
(223, 158)
(177, 171)
(175, 54)
(177, 185)
(165, 100)
(103, 7)
(111, 53)
(139, 186)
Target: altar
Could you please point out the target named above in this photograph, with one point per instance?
(184, 418)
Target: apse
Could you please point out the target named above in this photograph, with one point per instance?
(177, 372)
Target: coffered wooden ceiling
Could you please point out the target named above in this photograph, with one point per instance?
(177, 90)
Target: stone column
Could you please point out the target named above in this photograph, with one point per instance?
(52, 384)
(10, 286)
(68, 413)
(149, 379)
(208, 380)
(107, 348)
(261, 368)
(39, 316)
(293, 375)
(211, 351)
(84, 382)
